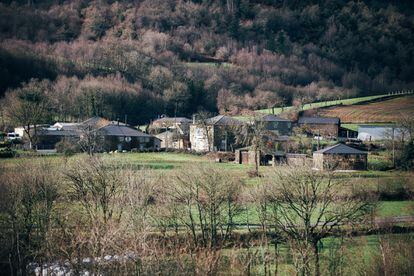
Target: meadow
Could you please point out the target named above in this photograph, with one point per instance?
(149, 218)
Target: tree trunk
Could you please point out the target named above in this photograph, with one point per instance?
(316, 252)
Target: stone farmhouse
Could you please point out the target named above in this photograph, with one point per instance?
(110, 135)
(174, 132)
(214, 134)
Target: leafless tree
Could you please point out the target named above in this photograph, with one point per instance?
(255, 134)
(311, 208)
(28, 107)
(209, 202)
(91, 140)
(27, 200)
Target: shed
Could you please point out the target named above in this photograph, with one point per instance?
(267, 157)
(340, 157)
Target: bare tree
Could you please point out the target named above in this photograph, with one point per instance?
(27, 199)
(255, 134)
(209, 201)
(311, 208)
(91, 140)
(201, 121)
(28, 106)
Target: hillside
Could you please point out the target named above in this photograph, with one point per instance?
(144, 58)
(386, 111)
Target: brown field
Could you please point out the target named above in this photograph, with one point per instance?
(376, 112)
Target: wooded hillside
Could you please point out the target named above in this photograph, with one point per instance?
(146, 58)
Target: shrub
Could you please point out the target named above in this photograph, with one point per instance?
(66, 147)
(7, 153)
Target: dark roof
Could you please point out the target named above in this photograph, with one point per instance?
(223, 120)
(171, 120)
(273, 118)
(318, 120)
(340, 149)
(122, 130)
(96, 122)
(56, 132)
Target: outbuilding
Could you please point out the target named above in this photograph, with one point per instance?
(340, 157)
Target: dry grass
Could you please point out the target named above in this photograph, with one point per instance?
(383, 111)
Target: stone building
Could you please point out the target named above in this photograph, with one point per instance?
(175, 124)
(108, 135)
(340, 157)
(214, 134)
(279, 126)
(172, 140)
(320, 126)
(264, 157)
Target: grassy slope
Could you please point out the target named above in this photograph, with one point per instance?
(328, 103)
(389, 110)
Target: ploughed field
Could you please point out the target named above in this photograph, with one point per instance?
(386, 111)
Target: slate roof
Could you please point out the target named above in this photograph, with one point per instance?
(318, 120)
(340, 149)
(223, 120)
(57, 132)
(273, 118)
(96, 122)
(122, 130)
(171, 120)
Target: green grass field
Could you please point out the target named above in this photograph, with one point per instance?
(165, 162)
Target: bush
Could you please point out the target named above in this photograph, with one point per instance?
(7, 153)
(5, 144)
(379, 165)
(67, 148)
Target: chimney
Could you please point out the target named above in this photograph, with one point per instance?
(194, 118)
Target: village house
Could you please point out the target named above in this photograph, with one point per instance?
(111, 135)
(277, 125)
(178, 124)
(340, 157)
(122, 137)
(214, 134)
(172, 140)
(174, 132)
(325, 127)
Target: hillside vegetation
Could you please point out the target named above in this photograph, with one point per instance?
(146, 58)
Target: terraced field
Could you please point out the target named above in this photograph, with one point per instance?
(387, 111)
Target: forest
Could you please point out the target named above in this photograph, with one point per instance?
(140, 59)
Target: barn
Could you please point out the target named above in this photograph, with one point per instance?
(340, 157)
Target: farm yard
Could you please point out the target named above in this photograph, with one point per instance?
(384, 111)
